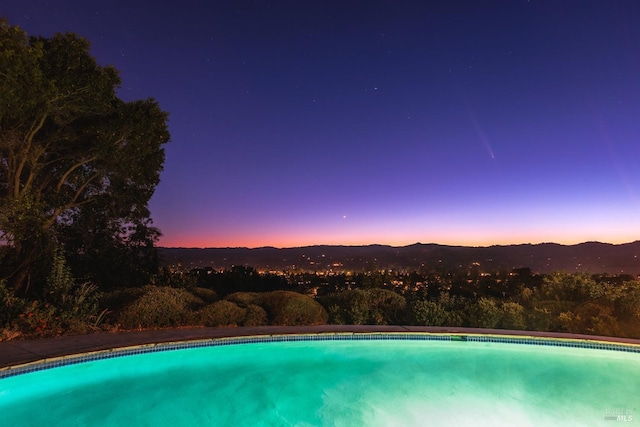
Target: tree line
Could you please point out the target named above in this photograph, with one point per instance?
(518, 299)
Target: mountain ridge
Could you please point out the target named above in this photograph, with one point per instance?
(590, 256)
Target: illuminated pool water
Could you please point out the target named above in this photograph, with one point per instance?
(334, 382)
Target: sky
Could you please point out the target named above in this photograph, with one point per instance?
(298, 123)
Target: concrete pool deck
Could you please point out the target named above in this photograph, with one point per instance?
(18, 352)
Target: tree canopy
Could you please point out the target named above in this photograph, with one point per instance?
(78, 165)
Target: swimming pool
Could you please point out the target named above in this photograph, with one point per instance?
(333, 379)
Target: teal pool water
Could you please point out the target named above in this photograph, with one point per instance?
(334, 383)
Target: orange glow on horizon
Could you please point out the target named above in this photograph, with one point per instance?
(202, 241)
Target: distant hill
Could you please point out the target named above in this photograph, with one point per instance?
(593, 257)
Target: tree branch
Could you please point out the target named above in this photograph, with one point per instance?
(69, 171)
(24, 153)
(73, 202)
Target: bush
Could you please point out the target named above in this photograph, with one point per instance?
(436, 313)
(10, 305)
(119, 299)
(512, 316)
(296, 309)
(366, 306)
(205, 294)
(539, 319)
(255, 316)
(484, 314)
(222, 313)
(591, 318)
(627, 306)
(336, 315)
(76, 305)
(429, 313)
(39, 320)
(281, 308)
(64, 307)
(244, 299)
(291, 309)
(388, 305)
(160, 307)
(576, 287)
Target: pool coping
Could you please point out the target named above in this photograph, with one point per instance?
(25, 352)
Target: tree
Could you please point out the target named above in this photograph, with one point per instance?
(512, 316)
(429, 313)
(112, 252)
(484, 313)
(576, 287)
(71, 153)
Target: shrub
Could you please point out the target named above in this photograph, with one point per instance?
(593, 318)
(255, 316)
(347, 307)
(627, 306)
(297, 309)
(539, 319)
(576, 287)
(429, 313)
(244, 299)
(281, 307)
(388, 306)
(512, 316)
(569, 322)
(336, 316)
(119, 299)
(228, 313)
(76, 305)
(366, 306)
(484, 313)
(39, 320)
(160, 307)
(10, 305)
(222, 313)
(205, 294)
(435, 313)
(292, 308)
(65, 306)
(358, 310)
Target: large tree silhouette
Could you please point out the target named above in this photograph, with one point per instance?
(71, 153)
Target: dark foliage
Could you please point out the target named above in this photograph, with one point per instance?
(77, 165)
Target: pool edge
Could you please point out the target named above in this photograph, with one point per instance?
(226, 336)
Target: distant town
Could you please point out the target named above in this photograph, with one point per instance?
(590, 257)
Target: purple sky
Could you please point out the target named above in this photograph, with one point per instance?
(356, 122)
